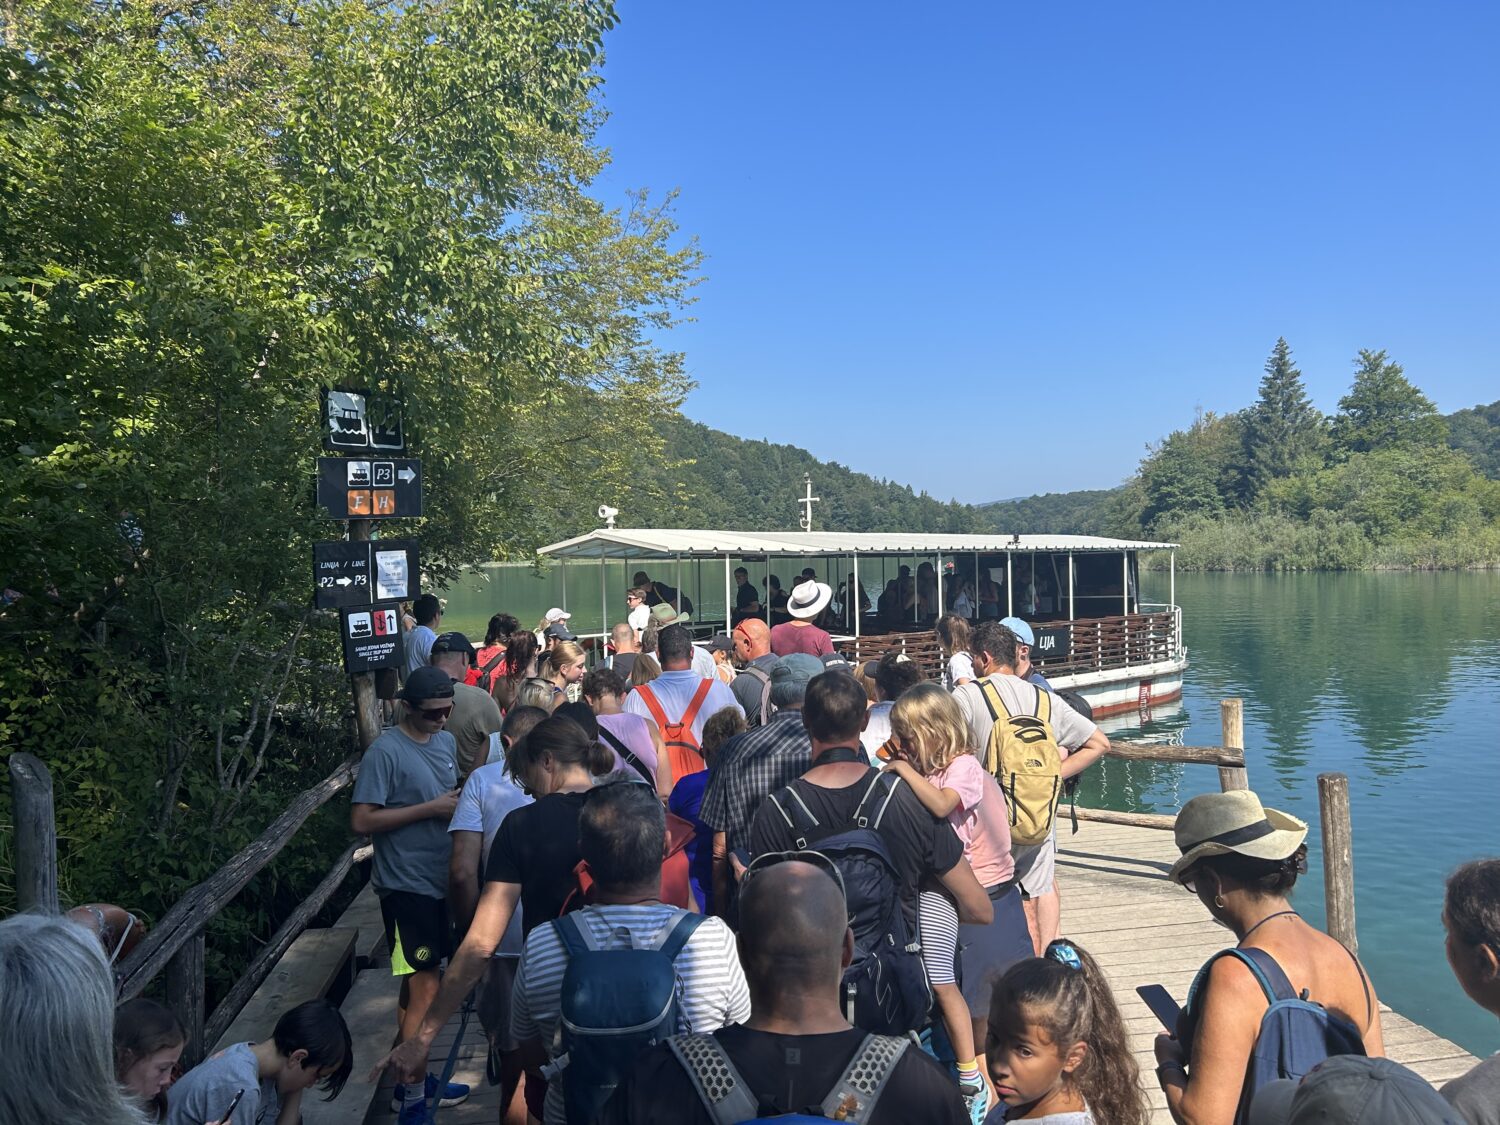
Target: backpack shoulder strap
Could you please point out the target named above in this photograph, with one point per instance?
(625, 752)
(717, 1080)
(765, 688)
(992, 700)
(865, 1078)
(648, 697)
(682, 929)
(573, 934)
(1273, 984)
(862, 821)
(696, 702)
(789, 798)
(1044, 706)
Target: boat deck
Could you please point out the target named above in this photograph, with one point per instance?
(1118, 905)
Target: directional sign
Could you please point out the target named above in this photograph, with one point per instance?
(1052, 644)
(341, 574)
(372, 637)
(362, 422)
(359, 489)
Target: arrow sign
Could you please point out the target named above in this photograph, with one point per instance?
(341, 574)
(360, 489)
(343, 581)
(372, 635)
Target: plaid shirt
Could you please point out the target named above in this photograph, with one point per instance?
(748, 767)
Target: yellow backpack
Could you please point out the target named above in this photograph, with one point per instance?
(1024, 757)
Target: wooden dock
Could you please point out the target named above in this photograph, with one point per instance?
(1118, 905)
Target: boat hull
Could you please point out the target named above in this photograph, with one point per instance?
(1119, 691)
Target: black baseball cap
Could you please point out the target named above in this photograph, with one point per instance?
(452, 642)
(427, 682)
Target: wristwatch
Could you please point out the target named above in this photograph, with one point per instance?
(1174, 1069)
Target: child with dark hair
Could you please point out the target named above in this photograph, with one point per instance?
(310, 1047)
(1057, 1049)
(148, 1044)
(1471, 915)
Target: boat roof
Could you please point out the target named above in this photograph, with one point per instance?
(687, 543)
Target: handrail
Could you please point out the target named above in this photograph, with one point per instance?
(1228, 757)
(186, 919)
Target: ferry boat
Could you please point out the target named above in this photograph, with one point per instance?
(1080, 594)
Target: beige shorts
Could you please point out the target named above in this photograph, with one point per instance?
(1036, 865)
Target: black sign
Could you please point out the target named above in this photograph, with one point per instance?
(370, 489)
(341, 574)
(1052, 644)
(362, 422)
(372, 637)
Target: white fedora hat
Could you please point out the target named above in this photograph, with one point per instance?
(809, 599)
(1220, 823)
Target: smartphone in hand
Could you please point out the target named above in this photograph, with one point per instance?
(1162, 1006)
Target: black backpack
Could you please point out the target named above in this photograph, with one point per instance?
(885, 987)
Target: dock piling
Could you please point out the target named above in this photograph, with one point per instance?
(1338, 857)
(1232, 722)
(36, 833)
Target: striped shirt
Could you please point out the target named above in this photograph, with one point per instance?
(711, 985)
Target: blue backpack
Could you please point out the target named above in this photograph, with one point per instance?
(615, 1004)
(729, 1101)
(885, 987)
(1295, 1035)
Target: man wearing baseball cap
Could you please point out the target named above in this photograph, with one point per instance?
(475, 721)
(1353, 1090)
(403, 798)
(1024, 668)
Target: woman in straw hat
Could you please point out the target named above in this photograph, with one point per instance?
(1241, 860)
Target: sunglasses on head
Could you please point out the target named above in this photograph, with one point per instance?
(817, 859)
(435, 714)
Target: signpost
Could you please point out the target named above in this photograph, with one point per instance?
(372, 637)
(355, 574)
(362, 422)
(357, 489)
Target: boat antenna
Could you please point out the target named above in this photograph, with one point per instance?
(807, 502)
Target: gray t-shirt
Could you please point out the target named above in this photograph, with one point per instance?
(398, 772)
(419, 648)
(1071, 728)
(1476, 1094)
(204, 1093)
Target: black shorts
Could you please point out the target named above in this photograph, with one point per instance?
(416, 929)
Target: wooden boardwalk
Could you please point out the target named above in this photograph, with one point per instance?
(1118, 905)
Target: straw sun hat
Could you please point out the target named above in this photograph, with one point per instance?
(1221, 823)
(809, 599)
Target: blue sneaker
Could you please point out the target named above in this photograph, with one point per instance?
(455, 1093)
(414, 1114)
(976, 1101)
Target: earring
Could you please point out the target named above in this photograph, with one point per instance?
(1219, 901)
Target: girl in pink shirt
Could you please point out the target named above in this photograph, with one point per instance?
(935, 759)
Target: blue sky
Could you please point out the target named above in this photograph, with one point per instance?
(1058, 228)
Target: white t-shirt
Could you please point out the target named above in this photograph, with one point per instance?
(711, 985)
(1071, 728)
(960, 667)
(638, 619)
(488, 797)
(877, 731)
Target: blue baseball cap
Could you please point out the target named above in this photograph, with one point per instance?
(1020, 629)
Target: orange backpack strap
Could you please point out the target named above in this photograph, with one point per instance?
(648, 697)
(696, 704)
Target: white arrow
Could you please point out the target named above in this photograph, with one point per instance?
(407, 475)
(344, 582)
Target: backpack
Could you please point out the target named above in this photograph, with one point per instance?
(615, 1004)
(729, 1101)
(676, 888)
(486, 678)
(1295, 1033)
(884, 988)
(683, 751)
(764, 677)
(1024, 757)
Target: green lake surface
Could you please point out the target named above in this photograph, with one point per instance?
(1390, 678)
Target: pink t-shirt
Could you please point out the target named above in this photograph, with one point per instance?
(979, 819)
(787, 638)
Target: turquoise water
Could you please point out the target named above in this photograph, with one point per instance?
(1393, 679)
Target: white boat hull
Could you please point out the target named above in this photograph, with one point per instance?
(1116, 691)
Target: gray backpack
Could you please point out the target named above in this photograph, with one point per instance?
(730, 1102)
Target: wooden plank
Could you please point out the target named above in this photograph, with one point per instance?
(185, 995)
(363, 915)
(308, 970)
(370, 1012)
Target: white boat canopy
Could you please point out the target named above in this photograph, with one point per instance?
(681, 543)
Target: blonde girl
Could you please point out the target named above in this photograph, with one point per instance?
(564, 667)
(933, 756)
(1057, 1049)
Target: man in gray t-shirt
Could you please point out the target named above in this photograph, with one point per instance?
(996, 652)
(403, 799)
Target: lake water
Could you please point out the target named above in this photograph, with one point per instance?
(1392, 679)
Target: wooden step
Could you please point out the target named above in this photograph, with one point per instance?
(318, 963)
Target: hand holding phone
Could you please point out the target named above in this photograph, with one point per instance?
(1162, 1006)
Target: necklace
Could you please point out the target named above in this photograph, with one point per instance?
(1263, 921)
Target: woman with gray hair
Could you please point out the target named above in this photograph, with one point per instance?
(57, 1061)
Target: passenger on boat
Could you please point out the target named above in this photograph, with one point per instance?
(1242, 860)
(746, 596)
(808, 599)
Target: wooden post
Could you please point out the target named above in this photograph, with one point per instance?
(1338, 857)
(1232, 722)
(367, 713)
(185, 995)
(36, 833)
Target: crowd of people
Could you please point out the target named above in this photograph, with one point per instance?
(727, 880)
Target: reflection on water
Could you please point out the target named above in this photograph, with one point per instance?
(1392, 679)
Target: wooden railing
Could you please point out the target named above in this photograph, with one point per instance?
(175, 944)
(1101, 643)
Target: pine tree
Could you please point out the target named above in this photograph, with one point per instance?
(1283, 428)
(1383, 410)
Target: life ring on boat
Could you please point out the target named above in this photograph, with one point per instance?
(118, 930)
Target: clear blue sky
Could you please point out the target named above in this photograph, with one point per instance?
(1031, 238)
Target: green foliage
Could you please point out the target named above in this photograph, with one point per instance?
(1283, 431)
(1383, 410)
(209, 213)
(1193, 471)
(1476, 432)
